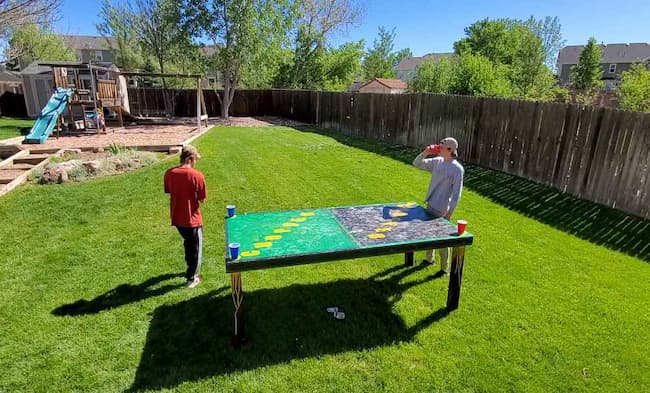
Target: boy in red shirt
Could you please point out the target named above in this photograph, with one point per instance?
(186, 187)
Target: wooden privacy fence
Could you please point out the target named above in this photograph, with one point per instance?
(598, 154)
(150, 101)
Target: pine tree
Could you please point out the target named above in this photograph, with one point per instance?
(587, 74)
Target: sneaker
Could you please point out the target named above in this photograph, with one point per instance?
(193, 283)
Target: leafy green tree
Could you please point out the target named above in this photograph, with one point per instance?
(476, 75)
(114, 22)
(342, 66)
(401, 54)
(379, 60)
(245, 30)
(316, 22)
(30, 43)
(634, 90)
(435, 77)
(587, 74)
(549, 30)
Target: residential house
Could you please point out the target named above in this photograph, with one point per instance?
(92, 48)
(407, 68)
(355, 86)
(615, 59)
(386, 86)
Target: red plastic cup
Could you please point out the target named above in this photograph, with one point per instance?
(435, 149)
(462, 224)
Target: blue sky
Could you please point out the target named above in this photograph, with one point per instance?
(433, 26)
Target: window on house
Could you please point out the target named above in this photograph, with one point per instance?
(612, 68)
(99, 55)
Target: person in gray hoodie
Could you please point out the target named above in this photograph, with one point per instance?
(445, 188)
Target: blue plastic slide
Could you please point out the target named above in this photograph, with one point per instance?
(46, 121)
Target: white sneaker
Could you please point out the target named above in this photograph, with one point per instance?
(193, 283)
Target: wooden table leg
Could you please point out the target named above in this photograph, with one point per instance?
(238, 338)
(455, 277)
(408, 259)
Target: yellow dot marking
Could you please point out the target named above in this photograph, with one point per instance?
(281, 230)
(273, 237)
(263, 244)
(300, 219)
(250, 253)
(410, 204)
(307, 214)
(394, 213)
(383, 229)
(290, 224)
(390, 224)
(376, 236)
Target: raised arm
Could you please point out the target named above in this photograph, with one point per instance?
(422, 162)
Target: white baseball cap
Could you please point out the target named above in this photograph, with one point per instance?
(451, 143)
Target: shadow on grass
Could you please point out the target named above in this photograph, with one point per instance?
(191, 340)
(120, 296)
(587, 220)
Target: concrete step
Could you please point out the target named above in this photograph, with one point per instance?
(7, 175)
(20, 166)
(32, 159)
(43, 150)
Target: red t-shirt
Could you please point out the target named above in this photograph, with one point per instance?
(187, 187)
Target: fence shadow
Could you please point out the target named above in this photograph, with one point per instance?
(191, 340)
(587, 220)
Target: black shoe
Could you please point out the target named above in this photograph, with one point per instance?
(427, 263)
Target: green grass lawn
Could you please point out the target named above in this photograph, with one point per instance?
(91, 299)
(10, 128)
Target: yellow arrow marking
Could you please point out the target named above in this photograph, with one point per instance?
(307, 214)
(290, 224)
(263, 244)
(273, 237)
(394, 213)
(376, 236)
(281, 230)
(301, 219)
(383, 229)
(390, 224)
(411, 204)
(250, 253)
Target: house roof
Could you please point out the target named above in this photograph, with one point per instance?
(611, 53)
(79, 42)
(36, 67)
(354, 87)
(390, 83)
(209, 50)
(9, 76)
(411, 63)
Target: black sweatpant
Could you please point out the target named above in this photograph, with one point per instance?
(193, 243)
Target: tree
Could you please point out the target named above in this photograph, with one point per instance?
(549, 31)
(316, 22)
(160, 28)
(507, 42)
(435, 77)
(30, 43)
(634, 89)
(17, 14)
(342, 66)
(244, 29)
(115, 23)
(476, 75)
(587, 74)
(401, 54)
(378, 62)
